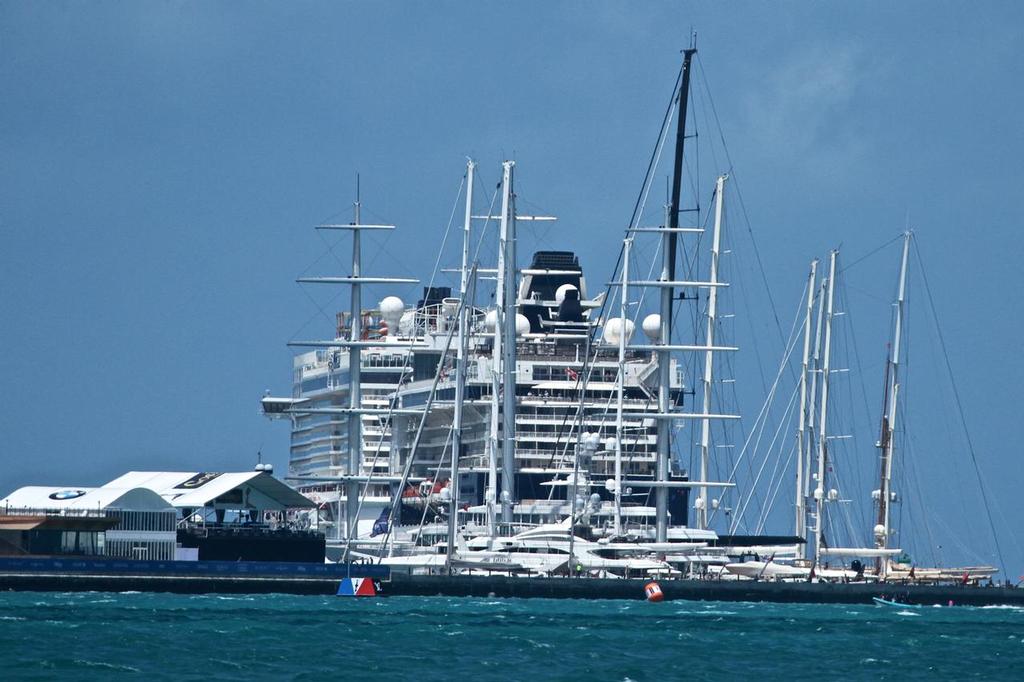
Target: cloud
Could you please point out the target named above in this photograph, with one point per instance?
(806, 109)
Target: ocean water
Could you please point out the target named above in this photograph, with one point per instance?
(101, 636)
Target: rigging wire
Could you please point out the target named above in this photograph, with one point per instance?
(389, 417)
(583, 376)
(739, 196)
(959, 405)
(761, 420)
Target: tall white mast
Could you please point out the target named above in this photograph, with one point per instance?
(627, 245)
(801, 438)
(354, 343)
(709, 355)
(810, 460)
(893, 388)
(820, 495)
(506, 300)
(664, 445)
(355, 393)
(460, 367)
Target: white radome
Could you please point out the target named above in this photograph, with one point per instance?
(613, 330)
(560, 292)
(491, 323)
(392, 309)
(391, 305)
(652, 326)
(522, 325)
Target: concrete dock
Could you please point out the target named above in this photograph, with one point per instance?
(701, 590)
(198, 577)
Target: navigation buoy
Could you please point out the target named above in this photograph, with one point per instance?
(356, 587)
(653, 592)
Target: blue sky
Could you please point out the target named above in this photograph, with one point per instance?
(163, 165)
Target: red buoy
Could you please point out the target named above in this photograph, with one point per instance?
(653, 592)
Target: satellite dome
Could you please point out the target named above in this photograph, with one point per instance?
(560, 292)
(652, 326)
(392, 310)
(491, 320)
(391, 305)
(613, 330)
(522, 325)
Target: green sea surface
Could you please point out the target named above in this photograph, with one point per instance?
(101, 636)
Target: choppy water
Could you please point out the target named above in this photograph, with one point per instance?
(90, 636)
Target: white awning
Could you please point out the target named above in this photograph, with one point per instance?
(55, 498)
(241, 490)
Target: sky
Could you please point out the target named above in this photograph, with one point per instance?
(162, 166)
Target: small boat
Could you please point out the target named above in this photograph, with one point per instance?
(882, 601)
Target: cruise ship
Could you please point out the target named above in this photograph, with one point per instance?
(405, 347)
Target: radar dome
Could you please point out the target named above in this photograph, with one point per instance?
(652, 326)
(391, 310)
(491, 320)
(391, 305)
(560, 292)
(613, 330)
(522, 325)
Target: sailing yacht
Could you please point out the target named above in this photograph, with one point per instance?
(817, 498)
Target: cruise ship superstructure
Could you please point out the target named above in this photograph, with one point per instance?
(553, 380)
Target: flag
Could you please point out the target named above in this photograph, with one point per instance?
(380, 526)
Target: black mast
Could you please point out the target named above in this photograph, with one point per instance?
(677, 169)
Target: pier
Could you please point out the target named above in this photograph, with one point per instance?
(228, 577)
